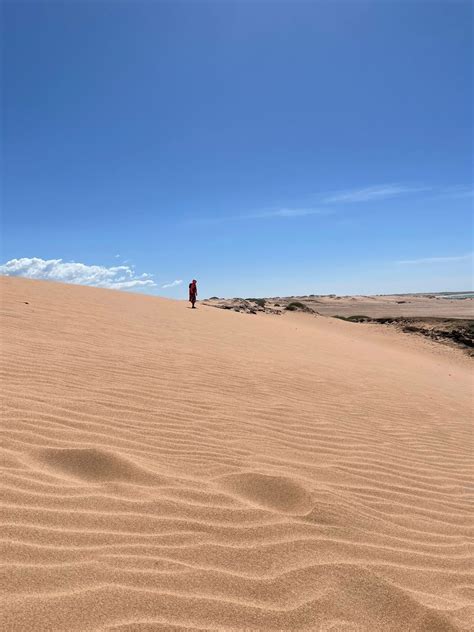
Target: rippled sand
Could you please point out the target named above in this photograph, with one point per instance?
(170, 469)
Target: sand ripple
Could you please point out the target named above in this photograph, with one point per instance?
(164, 469)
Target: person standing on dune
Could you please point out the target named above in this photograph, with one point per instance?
(193, 292)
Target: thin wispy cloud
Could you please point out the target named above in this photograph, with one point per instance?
(121, 277)
(436, 259)
(172, 284)
(286, 212)
(332, 204)
(280, 213)
(458, 192)
(372, 193)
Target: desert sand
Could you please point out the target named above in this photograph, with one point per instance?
(171, 469)
(378, 306)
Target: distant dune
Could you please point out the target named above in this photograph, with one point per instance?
(170, 469)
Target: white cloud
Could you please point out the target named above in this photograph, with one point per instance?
(172, 284)
(379, 192)
(116, 277)
(436, 260)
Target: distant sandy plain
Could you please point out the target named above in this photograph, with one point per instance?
(171, 469)
(379, 306)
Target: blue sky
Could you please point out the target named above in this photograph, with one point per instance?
(262, 148)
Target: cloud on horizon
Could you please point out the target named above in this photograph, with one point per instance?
(436, 259)
(121, 277)
(367, 194)
(172, 284)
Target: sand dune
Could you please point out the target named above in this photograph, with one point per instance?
(169, 469)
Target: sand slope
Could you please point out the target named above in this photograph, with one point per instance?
(169, 469)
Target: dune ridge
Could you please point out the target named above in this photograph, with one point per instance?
(169, 469)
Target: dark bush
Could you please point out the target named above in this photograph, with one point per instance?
(296, 305)
(260, 301)
(355, 319)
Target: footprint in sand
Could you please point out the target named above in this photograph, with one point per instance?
(94, 464)
(272, 492)
(288, 496)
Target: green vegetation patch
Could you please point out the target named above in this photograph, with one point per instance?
(297, 306)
